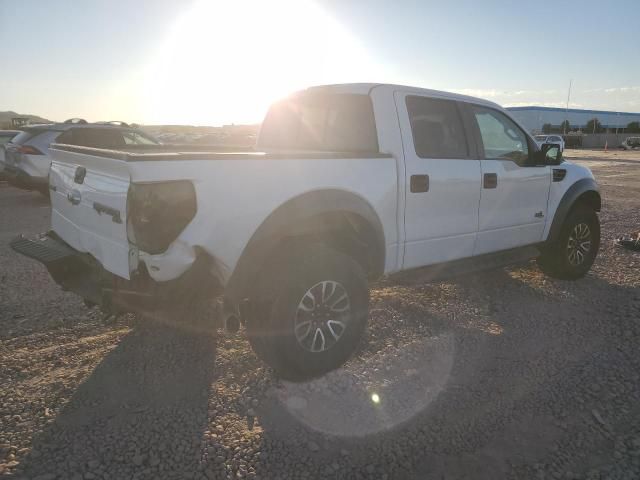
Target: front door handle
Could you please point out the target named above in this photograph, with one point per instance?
(490, 180)
(419, 183)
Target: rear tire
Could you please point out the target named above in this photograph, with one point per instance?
(571, 256)
(314, 304)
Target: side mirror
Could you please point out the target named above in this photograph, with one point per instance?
(551, 154)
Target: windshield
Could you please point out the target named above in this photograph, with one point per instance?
(540, 137)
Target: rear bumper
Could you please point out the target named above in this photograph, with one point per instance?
(82, 274)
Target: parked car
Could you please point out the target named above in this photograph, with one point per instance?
(553, 139)
(347, 183)
(27, 158)
(5, 136)
(630, 143)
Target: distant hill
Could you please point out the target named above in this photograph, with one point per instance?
(5, 118)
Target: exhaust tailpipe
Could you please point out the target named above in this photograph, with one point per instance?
(231, 322)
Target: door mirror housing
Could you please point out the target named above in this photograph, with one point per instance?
(550, 154)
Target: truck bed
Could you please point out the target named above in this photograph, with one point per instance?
(90, 194)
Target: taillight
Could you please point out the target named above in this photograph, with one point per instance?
(158, 212)
(28, 150)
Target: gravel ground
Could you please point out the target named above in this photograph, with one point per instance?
(505, 374)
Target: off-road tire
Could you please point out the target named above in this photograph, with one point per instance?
(279, 306)
(559, 258)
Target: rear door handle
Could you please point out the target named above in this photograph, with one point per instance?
(419, 183)
(490, 180)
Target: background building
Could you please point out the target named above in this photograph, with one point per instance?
(547, 120)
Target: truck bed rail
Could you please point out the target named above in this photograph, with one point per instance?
(195, 152)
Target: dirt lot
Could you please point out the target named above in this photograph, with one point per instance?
(506, 374)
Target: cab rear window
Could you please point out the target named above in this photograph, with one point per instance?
(321, 122)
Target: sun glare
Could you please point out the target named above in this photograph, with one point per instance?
(225, 60)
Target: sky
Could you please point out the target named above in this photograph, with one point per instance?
(214, 62)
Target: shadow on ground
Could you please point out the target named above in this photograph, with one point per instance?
(475, 379)
(144, 408)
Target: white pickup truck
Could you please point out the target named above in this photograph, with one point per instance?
(346, 183)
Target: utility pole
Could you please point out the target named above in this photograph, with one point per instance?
(566, 112)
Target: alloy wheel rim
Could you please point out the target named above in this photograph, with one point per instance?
(579, 244)
(322, 316)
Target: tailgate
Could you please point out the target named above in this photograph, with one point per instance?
(89, 206)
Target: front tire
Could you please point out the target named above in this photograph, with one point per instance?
(314, 304)
(571, 256)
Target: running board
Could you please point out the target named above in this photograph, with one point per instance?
(467, 266)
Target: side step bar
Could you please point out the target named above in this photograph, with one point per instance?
(43, 248)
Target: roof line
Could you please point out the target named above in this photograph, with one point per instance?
(572, 110)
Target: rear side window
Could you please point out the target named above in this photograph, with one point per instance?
(137, 138)
(5, 138)
(93, 137)
(437, 128)
(321, 122)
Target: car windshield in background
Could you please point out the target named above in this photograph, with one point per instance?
(540, 138)
(138, 138)
(319, 122)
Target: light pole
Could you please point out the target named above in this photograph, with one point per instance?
(566, 112)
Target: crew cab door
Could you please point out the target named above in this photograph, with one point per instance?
(515, 191)
(442, 180)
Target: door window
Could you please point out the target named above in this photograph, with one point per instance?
(437, 129)
(501, 138)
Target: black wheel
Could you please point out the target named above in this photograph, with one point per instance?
(311, 313)
(570, 257)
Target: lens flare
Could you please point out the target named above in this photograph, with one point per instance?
(225, 61)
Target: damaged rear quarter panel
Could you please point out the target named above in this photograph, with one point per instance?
(234, 197)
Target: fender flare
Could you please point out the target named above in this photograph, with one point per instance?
(291, 219)
(584, 186)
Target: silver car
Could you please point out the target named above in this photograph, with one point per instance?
(27, 159)
(5, 137)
